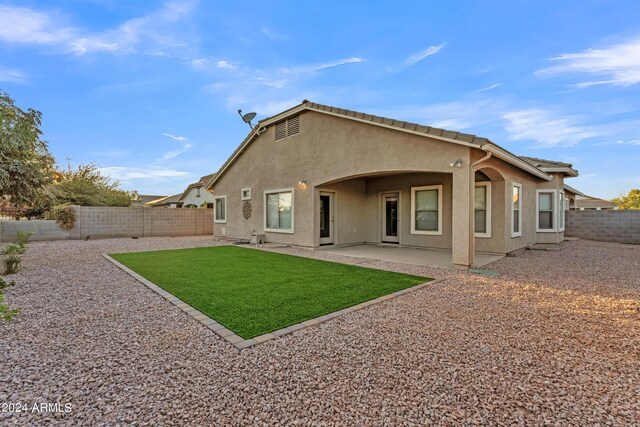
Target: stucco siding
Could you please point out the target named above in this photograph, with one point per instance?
(358, 161)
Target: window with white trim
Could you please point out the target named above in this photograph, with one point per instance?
(546, 211)
(426, 210)
(516, 211)
(245, 194)
(220, 209)
(482, 209)
(279, 211)
(561, 211)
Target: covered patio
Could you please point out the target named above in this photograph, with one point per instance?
(440, 258)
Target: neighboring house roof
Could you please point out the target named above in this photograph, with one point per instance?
(145, 198)
(551, 165)
(593, 203)
(572, 190)
(203, 181)
(466, 139)
(165, 200)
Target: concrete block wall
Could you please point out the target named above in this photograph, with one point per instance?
(605, 225)
(105, 222)
(42, 230)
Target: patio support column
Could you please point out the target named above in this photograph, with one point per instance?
(463, 241)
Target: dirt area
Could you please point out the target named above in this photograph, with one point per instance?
(555, 339)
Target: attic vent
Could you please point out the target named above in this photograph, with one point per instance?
(288, 127)
(281, 130)
(293, 125)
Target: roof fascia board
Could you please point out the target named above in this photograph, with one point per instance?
(503, 154)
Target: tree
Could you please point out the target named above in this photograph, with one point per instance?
(86, 186)
(630, 201)
(25, 161)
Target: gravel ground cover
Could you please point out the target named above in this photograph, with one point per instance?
(255, 292)
(555, 340)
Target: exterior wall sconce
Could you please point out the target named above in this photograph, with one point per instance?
(302, 184)
(456, 164)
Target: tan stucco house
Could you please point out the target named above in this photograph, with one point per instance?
(317, 175)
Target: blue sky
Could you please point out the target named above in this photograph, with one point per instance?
(150, 90)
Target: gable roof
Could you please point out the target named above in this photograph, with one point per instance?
(203, 181)
(551, 165)
(573, 190)
(454, 137)
(594, 202)
(164, 200)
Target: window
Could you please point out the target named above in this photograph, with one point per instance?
(288, 127)
(547, 205)
(516, 211)
(561, 211)
(426, 210)
(279, 211)
(198, 192)
(482, 209)
(245, 194)
(220, 209)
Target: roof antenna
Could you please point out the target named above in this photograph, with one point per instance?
(247, 118)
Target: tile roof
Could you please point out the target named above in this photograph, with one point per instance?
(544, 163)
(400, 124)
(593, 203)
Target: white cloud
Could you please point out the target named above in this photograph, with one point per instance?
(484, 89)
(24, 25)
(417, 57)
(318, 67)
(226, 65)
(126, 174)
(175, 137)
(619, 142)
(617, 65)
(144, 34)
(450, 115)
(11, 75)
(546, 128)
(175, 153)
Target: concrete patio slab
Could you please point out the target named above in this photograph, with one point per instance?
(415, 256)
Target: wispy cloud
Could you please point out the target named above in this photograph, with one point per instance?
(617, 65)
(148, 34)
(274, 34)
(317, 67)
(619, 142)
(11, 75)
(417, 57)
(459, 115)
(186, 146)
(226, 65)
(174, 137)
(546, 128)
(484, 89)
(126, 174)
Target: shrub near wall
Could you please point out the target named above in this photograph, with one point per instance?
(605, 226)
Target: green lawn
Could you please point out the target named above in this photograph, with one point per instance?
(253, 292)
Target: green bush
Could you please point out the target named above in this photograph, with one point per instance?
(66, 218)
(12, 264)
(4, 284)
(22, 237)
(6, 313)
(14, 248)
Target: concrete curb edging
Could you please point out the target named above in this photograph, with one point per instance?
(237, 341)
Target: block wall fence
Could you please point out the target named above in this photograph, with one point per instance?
(105, 222)
(605, 225)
